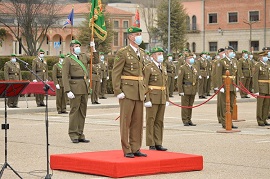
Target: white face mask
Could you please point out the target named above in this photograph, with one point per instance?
(170, 58)
(160, 58)
(102, 57)
(77, 50)
(13, 60)
(61, 60)
(217, 57)
(41, 55)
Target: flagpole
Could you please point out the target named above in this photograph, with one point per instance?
(91, 48)
(72, 25)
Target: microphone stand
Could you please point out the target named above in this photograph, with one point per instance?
(46, 89)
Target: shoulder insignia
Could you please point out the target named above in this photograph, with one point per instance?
(116, 58)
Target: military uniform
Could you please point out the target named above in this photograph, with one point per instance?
(171, 68)
(96, 72)
(76, 80)
(155, 81)
(40, 67)
(104, 76)
(187, 84)
(12, 71)
(203, 73)
(244, 72)
(127, 78)
(224, 65)
(261, 80)
(209, 80)
(60, 93)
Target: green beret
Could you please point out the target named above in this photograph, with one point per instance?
(203, 53)
(263, 53)
(147, 52)
(13, 55)
(75, 42)
(101, 53)
(62, 56)
(41, 50)
(180, 54)
(207, 53)
(156, 49)
(133, 30)
(186, 50)
(169, 55)
(244, 51)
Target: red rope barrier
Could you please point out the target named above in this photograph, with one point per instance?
(198, 104)
(248, 92)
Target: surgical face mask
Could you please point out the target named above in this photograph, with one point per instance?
(77, 50)
(41, 55)
(138, 40)
(231, 55)
(160, 58)
(245, 56)
(204, 56)
(102, 57)
(170, 59)
(265, 59)
(251, 57)
(268, 54)
(217, 57)
(61, 60)
(208, 57)
(234, 54)
(191, 61)
(13, 60)
(194, 56)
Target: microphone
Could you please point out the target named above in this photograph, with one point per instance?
(25, 63)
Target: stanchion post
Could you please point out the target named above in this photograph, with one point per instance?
(228, 116)
(235, 110)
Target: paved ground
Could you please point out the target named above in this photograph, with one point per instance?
(237, 155)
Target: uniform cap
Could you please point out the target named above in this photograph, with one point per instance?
(265, 48)
(229, 48)
(133, 30)
(62, 56)
(202, 53)
(157, 49)
(180, 54)
(186, 50)
(41, 50)
(101, 53)
(13, 55)
(244, 51)
(220, 50)
(263, 53)
(75, 42)
(169, 55)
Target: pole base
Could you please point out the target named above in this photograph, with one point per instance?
(48, 176)
(228, 131)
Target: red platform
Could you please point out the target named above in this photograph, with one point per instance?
(114, 164)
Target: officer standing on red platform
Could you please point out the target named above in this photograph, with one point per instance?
(128, 86)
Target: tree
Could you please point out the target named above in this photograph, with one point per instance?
(84, 35)
(178, 24)
(33, 18)
(3, 33)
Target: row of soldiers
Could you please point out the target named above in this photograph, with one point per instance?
(12, 71)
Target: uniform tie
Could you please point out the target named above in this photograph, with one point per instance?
(78, 57)
(138, 53)
(159, 66)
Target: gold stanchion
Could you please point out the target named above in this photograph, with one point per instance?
(228, 115)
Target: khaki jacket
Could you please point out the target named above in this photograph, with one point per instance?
(127, 63)
(202, 67)
(171, 68)
(156, 78)
(12, 71)
(104, 70)
(187, 80)
(221, 68)
(261, 78)
(244, 67)
(40, 67)
(96, 72)
(57, 74)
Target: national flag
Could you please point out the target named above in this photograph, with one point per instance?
(99, 21)
(137, 19)
(69, 19)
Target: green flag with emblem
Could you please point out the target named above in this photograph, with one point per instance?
(98, 20)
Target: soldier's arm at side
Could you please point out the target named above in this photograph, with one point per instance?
(180, 80)
(240, 71)
(256, 78)
(54, 74)
(6, 73)
(20, 73)
(147, 73)
(119, 63)
(65, 75)
(34, 68)
(219, 80)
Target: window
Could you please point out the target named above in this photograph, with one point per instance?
(212, 46)
(125, 24)
(212, 18)
(234, 44)
(254, 16)
(194, 47)
(194, 22)
(233, 17)
(188, 22)
(187, 45)
(116, 24)
(115, 39)
(255, 45)
(125, 39)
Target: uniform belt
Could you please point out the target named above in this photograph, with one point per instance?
(136, 78)
(58, 76)
(94, 73)
(202, 69)
(245, 68)
(40, 70)
(13, 73)
(77, 77)
(264, 81)
(187, 83)
(162, 88)
(232, 77)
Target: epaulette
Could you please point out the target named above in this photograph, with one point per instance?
(150, 63)
(141, 49)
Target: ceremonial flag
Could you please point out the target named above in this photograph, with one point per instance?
(98, 19)
(137, 19)
(69, 19)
